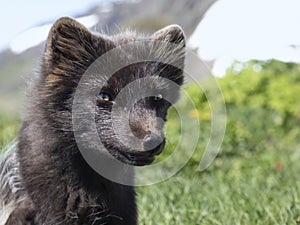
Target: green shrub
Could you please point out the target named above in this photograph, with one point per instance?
(262, 103)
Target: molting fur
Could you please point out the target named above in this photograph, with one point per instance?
(44, 179)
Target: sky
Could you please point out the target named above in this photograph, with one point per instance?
(249, 29)
(16, 15)
(231, 30)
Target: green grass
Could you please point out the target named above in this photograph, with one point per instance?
(9, 125)
(261, 188)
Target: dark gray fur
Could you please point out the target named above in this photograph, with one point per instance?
(44, 178)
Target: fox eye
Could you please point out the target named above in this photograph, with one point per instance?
(158, 97)
(103, 97)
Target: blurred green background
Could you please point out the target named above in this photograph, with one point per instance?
(255, 178)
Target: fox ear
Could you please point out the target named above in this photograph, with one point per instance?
(71, 46)
(172, 33)
(65, 42)
(171, 50)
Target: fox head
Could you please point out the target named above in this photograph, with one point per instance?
(130, 104)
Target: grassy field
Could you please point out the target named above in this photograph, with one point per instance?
(259, 188)
(255, 180)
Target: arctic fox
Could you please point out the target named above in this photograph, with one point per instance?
(44, 179)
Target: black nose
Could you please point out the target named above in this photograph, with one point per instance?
(153, 143)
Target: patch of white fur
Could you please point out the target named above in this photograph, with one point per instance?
(10, 174)
(10, 182)
(5, 211)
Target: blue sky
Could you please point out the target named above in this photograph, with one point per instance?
(17, 16)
